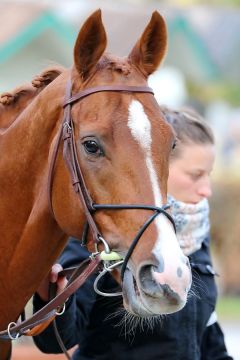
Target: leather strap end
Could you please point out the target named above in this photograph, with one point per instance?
(36, 330)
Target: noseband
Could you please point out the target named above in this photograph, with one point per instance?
(71, 158)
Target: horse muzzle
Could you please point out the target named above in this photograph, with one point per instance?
(153, 292)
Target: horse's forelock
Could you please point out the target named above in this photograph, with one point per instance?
(114, 63)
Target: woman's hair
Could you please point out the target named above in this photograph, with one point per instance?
(189, 127)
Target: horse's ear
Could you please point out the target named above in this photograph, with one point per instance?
(90, 44)
(150, 49)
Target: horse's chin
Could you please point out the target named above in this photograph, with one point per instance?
(140, 304)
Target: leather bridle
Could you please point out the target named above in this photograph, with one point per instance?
(71, 159)
(90, 265)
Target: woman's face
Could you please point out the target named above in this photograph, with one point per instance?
(189, 174)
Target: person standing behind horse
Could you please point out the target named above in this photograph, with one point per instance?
(98, 324)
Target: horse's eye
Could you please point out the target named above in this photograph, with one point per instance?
(91, 147)
(174, 144)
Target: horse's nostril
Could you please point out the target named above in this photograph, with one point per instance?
(149, 278)
(145, 274)
(147, 281)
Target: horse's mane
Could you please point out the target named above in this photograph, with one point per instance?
(14, 102)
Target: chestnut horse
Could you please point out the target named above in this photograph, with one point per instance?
(123, 146)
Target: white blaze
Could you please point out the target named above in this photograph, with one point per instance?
(140, 127)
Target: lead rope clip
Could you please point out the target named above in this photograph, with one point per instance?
(58, 313)
(9, 333)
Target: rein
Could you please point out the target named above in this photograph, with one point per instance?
(41, 319)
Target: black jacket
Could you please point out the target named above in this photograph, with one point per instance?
(103, 332)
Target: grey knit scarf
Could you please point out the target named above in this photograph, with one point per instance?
(192, 223)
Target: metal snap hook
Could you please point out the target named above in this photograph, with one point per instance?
(100, 275)
(108, 266)
(8, 330)
(58, 313)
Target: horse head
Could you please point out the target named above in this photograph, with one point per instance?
(123, 146)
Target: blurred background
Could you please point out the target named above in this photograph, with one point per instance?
(201, 69)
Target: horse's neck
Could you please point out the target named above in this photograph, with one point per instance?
(24, 161)
(32, 129)
(35, 251)
(29, 235)
(10, 111)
